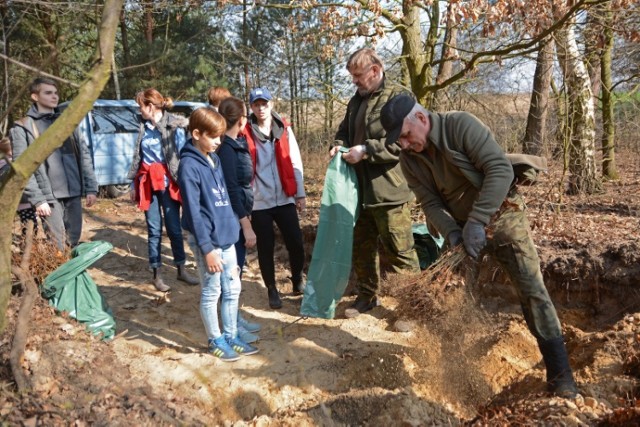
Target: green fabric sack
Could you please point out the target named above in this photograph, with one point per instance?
(330, 266)
(427, 246)
(70, 289)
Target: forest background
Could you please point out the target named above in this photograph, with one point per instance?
(451, 54)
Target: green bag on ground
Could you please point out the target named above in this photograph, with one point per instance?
(427, 246)
(331, 260)
(70, 289)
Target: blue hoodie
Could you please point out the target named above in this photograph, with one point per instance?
(207, 210)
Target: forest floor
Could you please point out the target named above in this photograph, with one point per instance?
(473, 362)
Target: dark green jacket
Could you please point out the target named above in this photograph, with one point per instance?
(463, 151)
(379, 176)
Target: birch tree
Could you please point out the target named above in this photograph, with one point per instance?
(581, 113)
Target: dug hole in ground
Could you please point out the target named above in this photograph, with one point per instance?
(470, 359)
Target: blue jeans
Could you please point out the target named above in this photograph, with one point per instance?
(162, 203)
(212, 285)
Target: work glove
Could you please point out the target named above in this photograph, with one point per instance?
(454, 238)
(474, 237)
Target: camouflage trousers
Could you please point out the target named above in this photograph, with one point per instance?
(392, 226)
(510, 242)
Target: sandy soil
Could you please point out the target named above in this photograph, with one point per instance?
(473, 362)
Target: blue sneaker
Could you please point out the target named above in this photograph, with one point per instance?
(248, 326)
(221, 349)
(247, 336)
(241, 347)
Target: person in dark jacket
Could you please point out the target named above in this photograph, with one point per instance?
(238, 171)
(382, 190)
(56, 189)
(278, 191)
(212, 229)
(154, 172)
(465, 183)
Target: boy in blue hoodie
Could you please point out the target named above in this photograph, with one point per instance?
(212, 229)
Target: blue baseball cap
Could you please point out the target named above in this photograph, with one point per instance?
(259, 93)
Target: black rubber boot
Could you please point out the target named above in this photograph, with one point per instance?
(298, 285)
(274, 297)
(559, 376)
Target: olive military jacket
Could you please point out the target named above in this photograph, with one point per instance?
(379, 175)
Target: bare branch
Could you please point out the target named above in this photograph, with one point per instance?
(38, 71)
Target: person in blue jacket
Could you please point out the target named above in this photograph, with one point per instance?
(212, 230)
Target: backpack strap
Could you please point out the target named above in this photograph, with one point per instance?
(28, 123)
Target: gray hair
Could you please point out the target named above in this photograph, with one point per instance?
(417, 108)
(363, 57)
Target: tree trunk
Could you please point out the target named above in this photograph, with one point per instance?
(533, 141)
(24, 313)
(48, 22)
(609, 168)
(415, 58)
(593, 47)
(114, 73)
(292, 68)
(148, 35)
(245, 42)
(13, 184)
(5, 95)
(582, 161)
(124, 39)
(449, 54)
(327, 73)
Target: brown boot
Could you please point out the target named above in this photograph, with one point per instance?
(158, 282)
